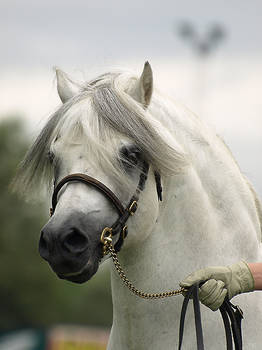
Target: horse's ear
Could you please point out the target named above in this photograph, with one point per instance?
(66, 88)
(144, 87)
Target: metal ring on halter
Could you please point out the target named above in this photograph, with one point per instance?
(104, 237)
(124, 232)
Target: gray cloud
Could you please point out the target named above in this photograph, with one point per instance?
(53, 32)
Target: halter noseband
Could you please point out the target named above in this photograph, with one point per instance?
(124, 213)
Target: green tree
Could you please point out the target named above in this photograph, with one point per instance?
(30, 293)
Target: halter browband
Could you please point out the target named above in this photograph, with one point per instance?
(124, 213)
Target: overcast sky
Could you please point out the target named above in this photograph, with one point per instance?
(87, 37)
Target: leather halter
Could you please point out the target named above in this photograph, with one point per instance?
(124, 213)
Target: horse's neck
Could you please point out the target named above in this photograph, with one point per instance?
(194, 230)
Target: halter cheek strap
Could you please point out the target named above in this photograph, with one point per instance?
(124, 213)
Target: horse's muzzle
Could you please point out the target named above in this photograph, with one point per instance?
(71, 252)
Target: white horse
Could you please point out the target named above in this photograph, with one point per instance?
(210, 215)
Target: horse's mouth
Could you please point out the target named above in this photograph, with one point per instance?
(81, 276)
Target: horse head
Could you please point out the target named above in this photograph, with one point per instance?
(103, 132)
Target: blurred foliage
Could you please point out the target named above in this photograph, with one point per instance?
(30, 293)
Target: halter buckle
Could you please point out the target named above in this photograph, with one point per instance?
(133, 207)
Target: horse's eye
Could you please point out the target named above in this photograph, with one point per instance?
(130, 156)
(51, 157)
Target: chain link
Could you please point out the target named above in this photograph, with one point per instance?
(108, 247)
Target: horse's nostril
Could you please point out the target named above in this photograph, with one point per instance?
(75, 242)
(43, 246)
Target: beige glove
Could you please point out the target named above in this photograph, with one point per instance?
(221, 281)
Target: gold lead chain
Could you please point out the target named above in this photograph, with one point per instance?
(109, 247)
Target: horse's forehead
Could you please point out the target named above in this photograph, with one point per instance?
(87, 147)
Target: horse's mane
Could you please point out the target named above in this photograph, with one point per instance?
(102, 109)
(170, 136)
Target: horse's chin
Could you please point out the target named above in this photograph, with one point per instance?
(83, 275)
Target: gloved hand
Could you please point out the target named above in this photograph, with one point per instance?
(221, 281)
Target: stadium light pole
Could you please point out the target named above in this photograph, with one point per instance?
(203, 46)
